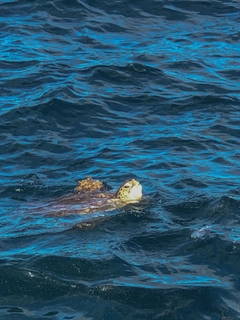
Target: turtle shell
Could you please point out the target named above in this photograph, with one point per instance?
(89, 185)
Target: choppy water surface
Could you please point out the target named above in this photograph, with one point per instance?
(117, 90)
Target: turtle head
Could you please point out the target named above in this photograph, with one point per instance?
(130, 190)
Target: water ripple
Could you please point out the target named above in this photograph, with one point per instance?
(118, 90)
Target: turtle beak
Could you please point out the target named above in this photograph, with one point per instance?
(135, 182)
(136, 191)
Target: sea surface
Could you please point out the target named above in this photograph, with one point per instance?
(116, 90)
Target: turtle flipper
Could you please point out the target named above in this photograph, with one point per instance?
(89, 185)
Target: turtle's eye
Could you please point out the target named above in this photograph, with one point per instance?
(126, 186)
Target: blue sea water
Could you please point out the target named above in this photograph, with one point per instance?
(118, 90)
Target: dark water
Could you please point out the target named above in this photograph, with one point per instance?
(120, 89)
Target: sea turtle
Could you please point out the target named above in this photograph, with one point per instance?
(91, 195)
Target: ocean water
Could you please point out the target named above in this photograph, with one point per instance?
(116, 90)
